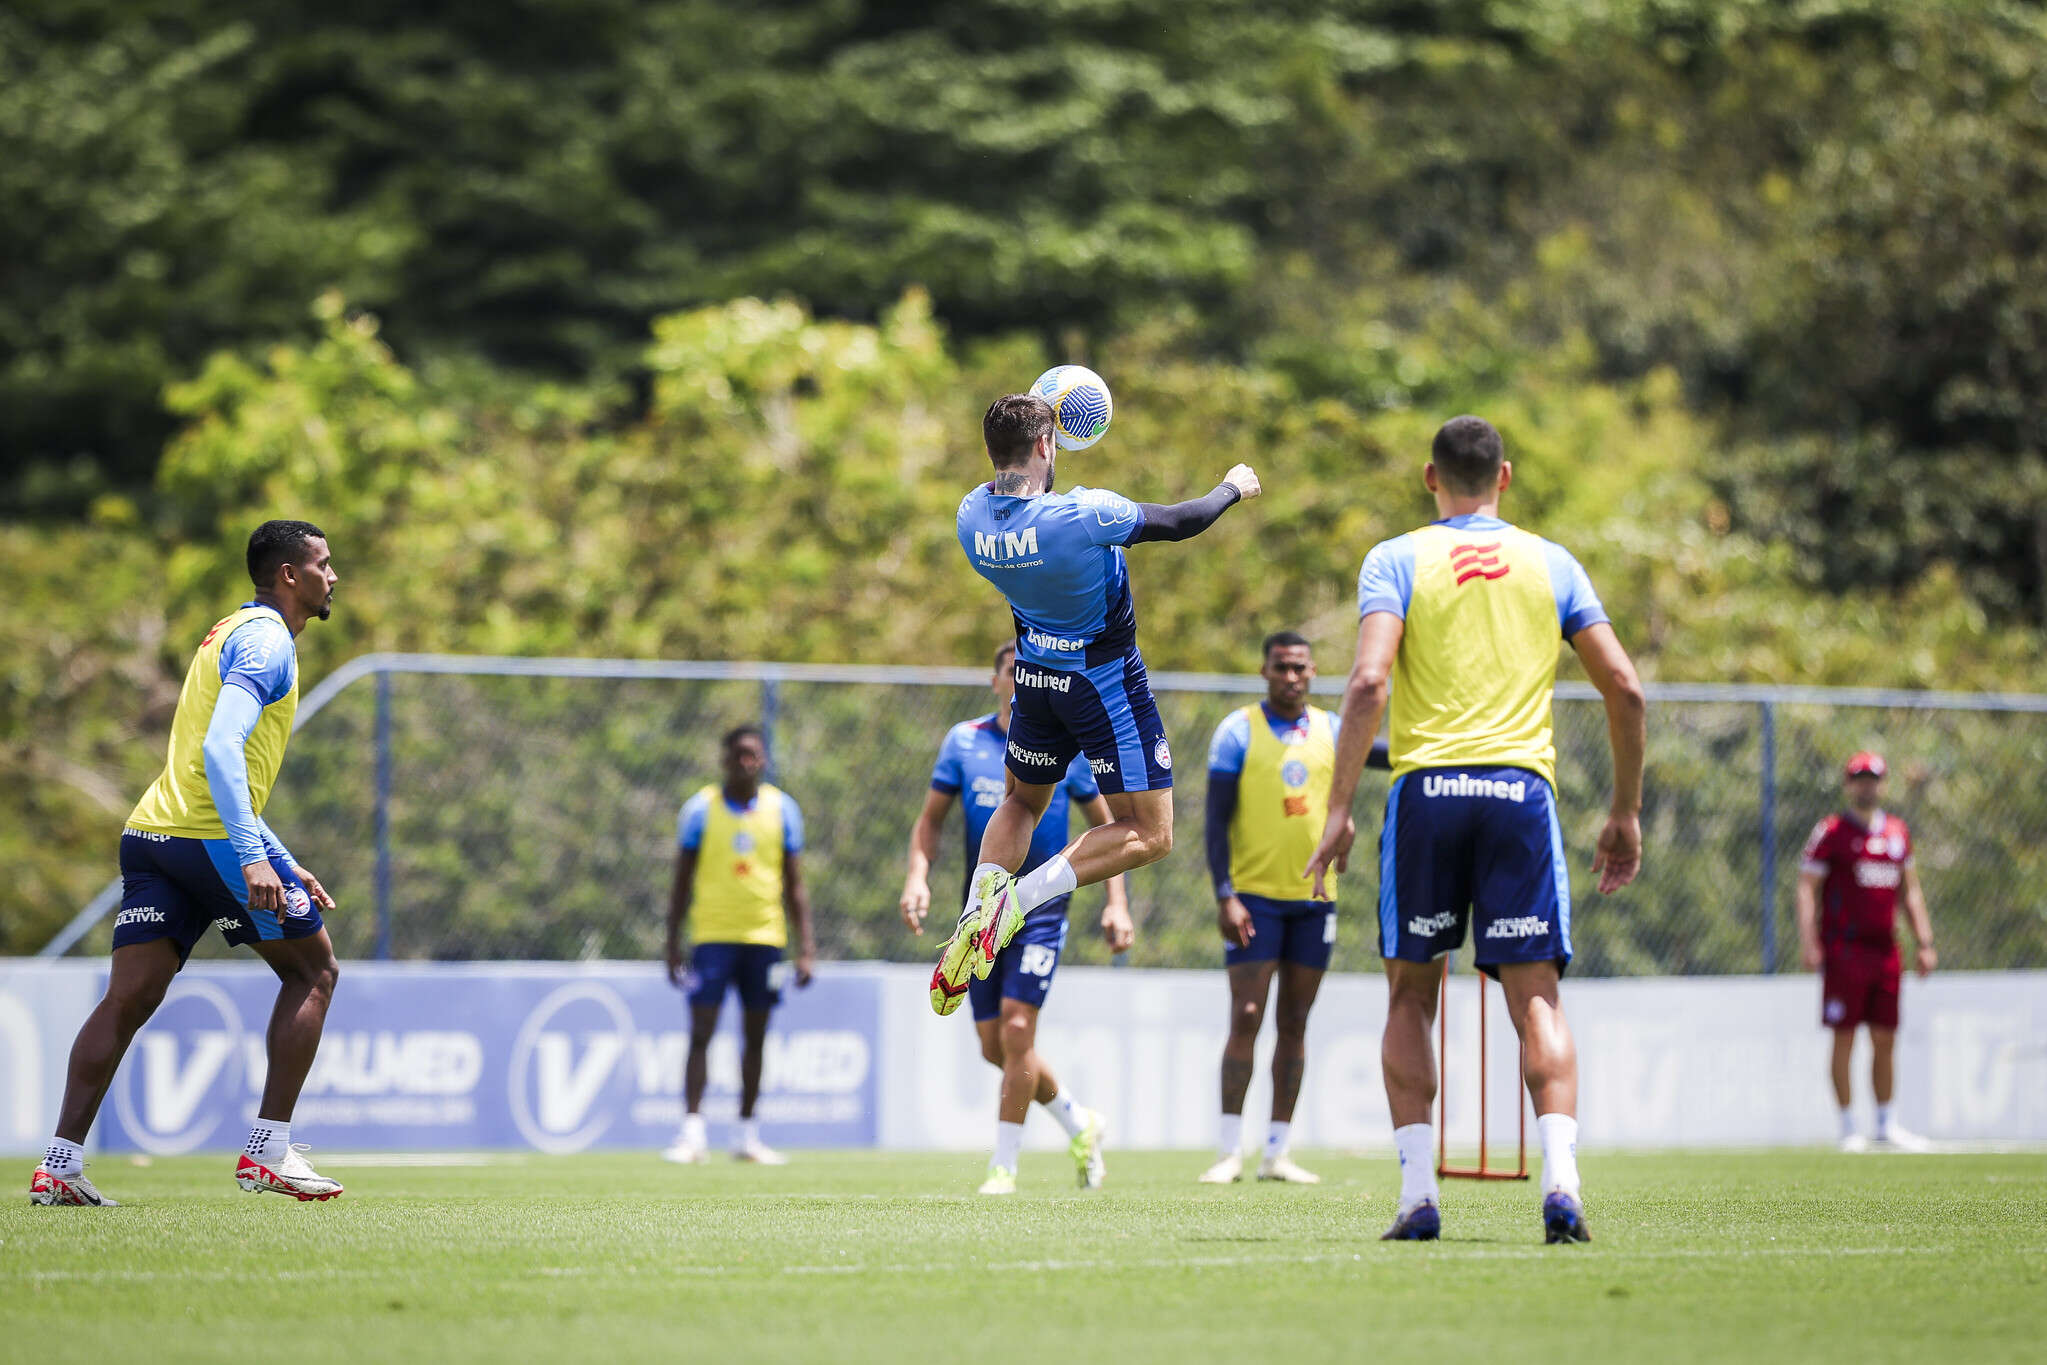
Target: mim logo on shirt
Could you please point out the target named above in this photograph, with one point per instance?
(1006, 544)
(1464, 784)
(1031, 677)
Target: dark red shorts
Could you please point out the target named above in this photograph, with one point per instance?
(1860, 988)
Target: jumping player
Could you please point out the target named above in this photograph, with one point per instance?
(1462, 617)
(197, 853)
(1006, 1004)
(1847, 917)
(1269, 769)
(1080, 682)
(738, 865)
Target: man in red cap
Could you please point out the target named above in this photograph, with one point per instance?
(1848, 885)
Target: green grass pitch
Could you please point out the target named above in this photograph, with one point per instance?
(848, 1257)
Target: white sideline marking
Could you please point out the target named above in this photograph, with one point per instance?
(1453, 1252)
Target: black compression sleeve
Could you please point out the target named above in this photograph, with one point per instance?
(1221, 805)
(1179, 520)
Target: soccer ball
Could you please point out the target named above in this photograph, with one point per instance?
(1080, 405)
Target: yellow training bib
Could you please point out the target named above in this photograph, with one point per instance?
(739, 872)
(1282, 802)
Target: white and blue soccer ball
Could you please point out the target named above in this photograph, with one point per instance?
(1081, 406)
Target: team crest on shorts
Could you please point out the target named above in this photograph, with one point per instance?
(1835, 1009)
(1161, 754)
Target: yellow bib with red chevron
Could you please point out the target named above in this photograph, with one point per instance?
(1282, 800)
(1478, 657)
(739, 872)
(180, 801)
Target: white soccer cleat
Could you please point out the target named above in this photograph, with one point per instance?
(1001, 1180)
(1226, 1171)
(683, 1152)
(760, 1154)
(294, 1176)
(1896, 1139)
(66, 1191)
(1854, 1142)
(1086, 1150)
(1282, 1167)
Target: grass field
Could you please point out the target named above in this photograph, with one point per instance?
(890, 1257)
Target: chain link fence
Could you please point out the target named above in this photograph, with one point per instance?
(463, 808)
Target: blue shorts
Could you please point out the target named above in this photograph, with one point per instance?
(178, 888)
(753, 969)
(1023, 971)
(1482, 842)
(1105, 712)
(1287, 931)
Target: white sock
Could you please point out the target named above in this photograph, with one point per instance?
(1559, 1152)
(693, 1134)
(1847, 1122)
(1051, 880)
(1416, 1144)
(1230, 1137)
(1883, 1120)
(974, 880)
(1071, 1116)
(749, 1134)
(269, 1141)
(1008, 1142)
(1276, 1135)
(64, 1158)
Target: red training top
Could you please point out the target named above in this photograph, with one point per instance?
(1863, 866)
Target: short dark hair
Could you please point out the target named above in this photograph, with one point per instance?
(739, 732)
(276, 543)
(1281, 639)
(1013, 426)
(1468, 453)
(1005, 650)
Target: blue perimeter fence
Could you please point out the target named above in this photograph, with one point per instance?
(524, 808)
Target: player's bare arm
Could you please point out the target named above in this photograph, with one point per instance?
(1119, 931)
(1807, 900)
(796, 905)
(1924, 959)
(1364, 705)
(1618, 857)
(915, 901)
(679, 893)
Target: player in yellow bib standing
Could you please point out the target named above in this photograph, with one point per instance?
(738, 868)
(196, 853)
(1460, 621)
(1269, 772)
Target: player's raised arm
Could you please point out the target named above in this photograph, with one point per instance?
(1185, 520)
(1619, 855)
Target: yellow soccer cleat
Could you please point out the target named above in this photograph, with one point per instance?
(1001, 919)
(1086, 1151)
(956, 962)
(1001, 1180)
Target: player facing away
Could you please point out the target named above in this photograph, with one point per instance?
(1057, 558)
(1848, 883)
(739, 868)
(1006, 1004)
(1269, 770)
(1460, 620)
(196, 853)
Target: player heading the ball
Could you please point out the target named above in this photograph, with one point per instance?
(1057, 558)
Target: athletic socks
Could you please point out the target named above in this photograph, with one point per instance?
(1416, 1144)
(1847, 1123)
(1230, 1137)
(1071, 1116)
(1559, 1152)
(1051, 880)
(1008, 1142)
(269, 1141)
(1276, 1136)
(1883, 1122)
(64, 1158)
(693, 1133)
(975, 880)
(749, 1135)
